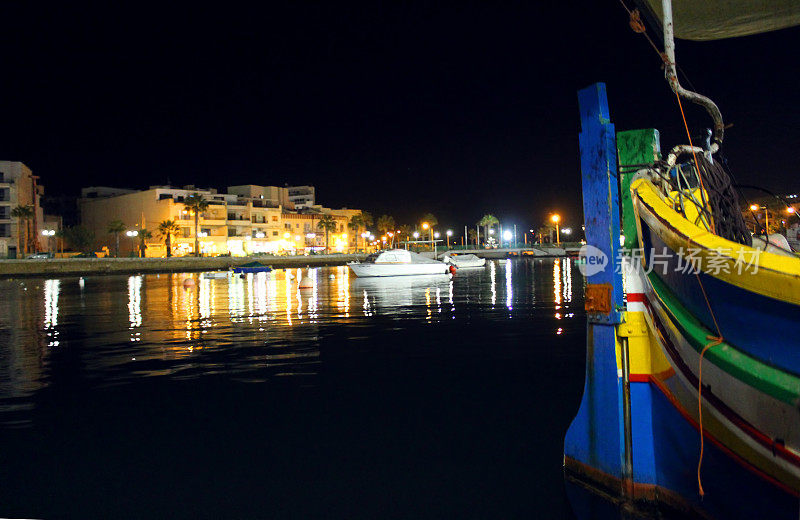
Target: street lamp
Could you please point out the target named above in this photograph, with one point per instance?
(449, 234)
(416, 234)
(555, 219)
(133, 235)
(756, 207)
(49, 233)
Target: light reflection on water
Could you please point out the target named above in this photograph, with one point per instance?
(119, 329)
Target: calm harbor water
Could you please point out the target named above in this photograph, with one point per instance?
(432, 397)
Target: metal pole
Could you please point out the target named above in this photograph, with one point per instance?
(515, 235)
(627, 468)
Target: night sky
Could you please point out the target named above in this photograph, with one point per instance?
(457, 109)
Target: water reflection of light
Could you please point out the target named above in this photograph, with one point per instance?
(312, 300)
(509, 290)
(204, 297)
(288, 284)
(567, 275)
(135, 306)
(450, 295)
(260, 296)
(367, 307)
(493, 278)
(343, 285)
(51, 291)
(428, 303)
(557, 286)
(272, 294)
(235, 297)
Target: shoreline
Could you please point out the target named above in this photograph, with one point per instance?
(100, 266)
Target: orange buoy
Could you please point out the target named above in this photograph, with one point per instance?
(452, 269)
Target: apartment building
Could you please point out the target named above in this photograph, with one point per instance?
(301, 196)
(246, 219)
(20, 187)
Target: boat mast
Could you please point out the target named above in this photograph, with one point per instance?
(672, 78)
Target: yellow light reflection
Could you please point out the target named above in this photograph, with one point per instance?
(557, 286)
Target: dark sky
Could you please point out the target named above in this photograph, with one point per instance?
(400, 108)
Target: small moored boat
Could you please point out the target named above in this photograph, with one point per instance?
(397, 262)
(252, 267)
(464, 261)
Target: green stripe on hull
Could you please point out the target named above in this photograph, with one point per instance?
(776, 383)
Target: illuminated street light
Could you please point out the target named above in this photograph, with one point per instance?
(416, 234)
(790, 210)
(436, 235)
(555, 219)
(491, 231)
(567, 231)
(425, 225)
(754, 207)
(132, 233)
(202, 234)
(311, 235)
(507, 235)
(259, 235)
(287, 235)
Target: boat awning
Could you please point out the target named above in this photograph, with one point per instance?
(719, 19)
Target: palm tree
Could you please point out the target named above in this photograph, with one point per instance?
(487, 222)
(473, 235)
(196, 203)
(328, 224)
(385, 225)
(144, 234)
(360, 221)
(404, 231)
(22, 213)
(78, 238)
(431, 220)
(166, 229)
(115, 227)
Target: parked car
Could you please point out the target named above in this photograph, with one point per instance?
(40, 256)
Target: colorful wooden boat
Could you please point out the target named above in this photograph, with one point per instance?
(693, 378)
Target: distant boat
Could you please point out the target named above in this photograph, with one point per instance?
(216, 274)
(464, 261)
(397, 262)
(252, 267)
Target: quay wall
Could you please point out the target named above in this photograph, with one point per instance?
(94, 266)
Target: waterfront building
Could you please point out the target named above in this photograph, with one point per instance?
(246, 219)
(301, 196)
(20, 187)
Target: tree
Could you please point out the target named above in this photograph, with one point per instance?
(144, 234)
(196, 203)
(473, 235)
(358, 222)
(115, 227)
(166, 229)
(385, 225)
(431, 220)
(328, 224)
(22, 214)
(487, 222)
(78, 238)
(404, 231)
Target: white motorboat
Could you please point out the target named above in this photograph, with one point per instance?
(397, 262)
(464, 261)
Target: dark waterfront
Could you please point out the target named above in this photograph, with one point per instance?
(417, 397)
